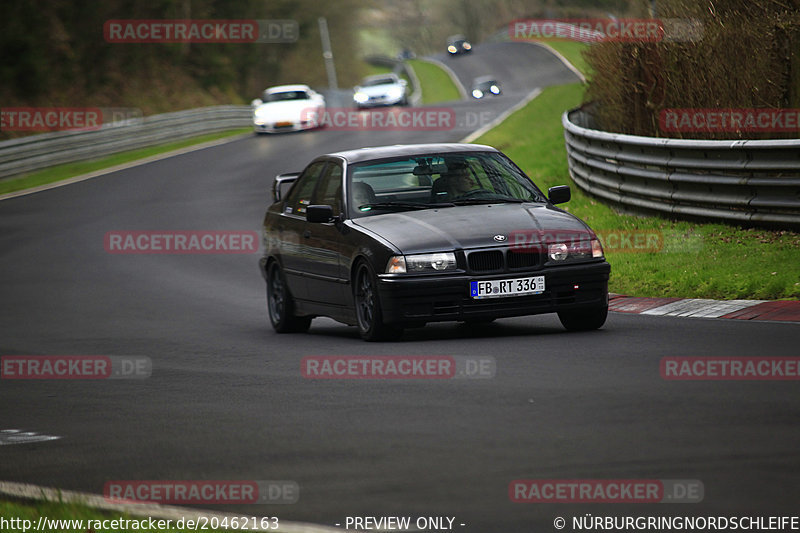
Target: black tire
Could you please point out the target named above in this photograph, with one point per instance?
(584, 319)
(280, 304)
(368, 306)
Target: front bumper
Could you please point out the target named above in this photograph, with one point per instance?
(446, 298)
(277, 127)
(379, 101)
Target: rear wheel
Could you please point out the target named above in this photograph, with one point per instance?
(368, 307)
(281, 305)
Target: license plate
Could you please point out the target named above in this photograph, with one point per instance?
(499, 288)
(282, 124)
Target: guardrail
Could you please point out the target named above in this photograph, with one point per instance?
(35, 152)
(744, 181)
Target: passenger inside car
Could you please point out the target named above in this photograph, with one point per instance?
(362, 193)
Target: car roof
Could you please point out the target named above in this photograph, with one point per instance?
(287, 88)
(408, 150)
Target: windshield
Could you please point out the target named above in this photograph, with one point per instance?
(431, 180)
(378, 81)
(285, 96)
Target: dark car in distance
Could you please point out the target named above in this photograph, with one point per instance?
(393, 237)
(485, 86)
(458, 44)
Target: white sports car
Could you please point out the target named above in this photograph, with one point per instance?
(288, 108)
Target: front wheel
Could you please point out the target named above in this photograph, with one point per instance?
(281, 305)
(368, 307)
(584, 319)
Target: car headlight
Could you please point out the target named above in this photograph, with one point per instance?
(477, 93)
(574, 251)
(420, 263)
(360, 97)
(451, 49)
(467, 46)
(495, 89)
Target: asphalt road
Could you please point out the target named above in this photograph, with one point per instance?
(226, 399)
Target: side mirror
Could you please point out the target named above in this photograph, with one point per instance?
(319, 213)
(257, 102)
(403, 83)
(559, 194)
(282, 184)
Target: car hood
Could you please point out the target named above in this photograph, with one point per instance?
(291, 110)
(379, 90)
(473, 226)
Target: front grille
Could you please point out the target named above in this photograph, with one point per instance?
(501, 260)
(517, 259)
(486, 261)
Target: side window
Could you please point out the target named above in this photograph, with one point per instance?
(329, 191)
(300, 195)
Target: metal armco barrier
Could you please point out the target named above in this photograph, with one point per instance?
(744, 182)
(35, 152)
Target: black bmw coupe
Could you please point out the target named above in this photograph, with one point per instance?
(393, 237)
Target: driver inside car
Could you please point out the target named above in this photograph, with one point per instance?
(457, 182)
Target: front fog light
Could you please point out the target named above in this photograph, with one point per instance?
(558, 252)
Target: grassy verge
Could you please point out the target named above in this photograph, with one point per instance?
(69, 170)
(436, 84)
(379, 69)
(695, 260)
(572, 51)
(72, 511)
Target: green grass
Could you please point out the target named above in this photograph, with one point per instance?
(696, 261)
(380, 69)
(75, 511)
(572, 51)
(69, 170)
(436, 84)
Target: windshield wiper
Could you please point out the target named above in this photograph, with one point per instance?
(402, 205)
(505, 199)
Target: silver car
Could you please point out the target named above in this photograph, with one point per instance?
(381, 90)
